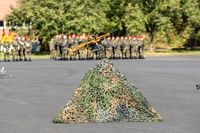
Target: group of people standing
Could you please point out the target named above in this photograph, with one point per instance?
(114, 47)
(15, 48)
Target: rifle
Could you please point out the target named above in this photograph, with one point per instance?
(75, 48)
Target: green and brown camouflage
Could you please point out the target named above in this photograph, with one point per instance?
(105, 95)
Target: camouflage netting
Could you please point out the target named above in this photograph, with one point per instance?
(105, 95)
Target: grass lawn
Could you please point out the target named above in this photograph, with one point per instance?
(46, 56)
(172, 53)
(147, 53)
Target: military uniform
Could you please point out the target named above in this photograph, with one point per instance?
(6, 51)
(15, 53)
(133, 47)
(141, 48)
(118, 45)
(108, 50)
(22, 49)
(126, 49)
(52, 49)
(1, 50)
(28, 48)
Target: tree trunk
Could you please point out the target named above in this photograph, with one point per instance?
(151, 35)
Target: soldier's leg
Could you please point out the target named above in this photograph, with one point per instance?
(137, 51)
(113, 53)
(116, 54)
(130, 50)
(61, 53)
(29, 54)
(1, 51)
(13, 54)
(20, 53)
(4, 56)
(133, 51)
(8, 54)
(125, 53)
(142, 52)
(17, 54)
(77, 55)
(84, 56)
(4, 53)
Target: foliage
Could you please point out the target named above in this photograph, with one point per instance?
(166, 20)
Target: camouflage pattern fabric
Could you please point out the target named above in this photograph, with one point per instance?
(105, 95)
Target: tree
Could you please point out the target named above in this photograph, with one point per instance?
(155, 20)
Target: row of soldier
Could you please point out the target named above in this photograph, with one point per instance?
(128, 47)
(16, 49)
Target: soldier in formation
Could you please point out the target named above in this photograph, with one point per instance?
(15, 48)
(114, 47)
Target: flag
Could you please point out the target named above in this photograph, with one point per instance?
(10, 38)
(3, 39)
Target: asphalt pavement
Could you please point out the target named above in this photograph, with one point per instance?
(39, 89)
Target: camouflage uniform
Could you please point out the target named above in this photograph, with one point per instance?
(65, 46)
(133, 47)
(15, 52)
(85, 50)
(126, 49)
(1, 50)
(108, 49)
(118, 45)
(76, 54)
(22, 50)
(60, 47)
(137, 48)
(52, 49)
(7, 51)
(82, 50)
(141, 48)
(28, 48)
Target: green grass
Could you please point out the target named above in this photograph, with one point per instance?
(41, 56)
(175, 52)
(147, 53)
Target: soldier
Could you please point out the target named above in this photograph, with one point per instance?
(69, 44)
(133, 46)
(126, 50)
(7, 51)
(85, 50)
(3, 40)
(114, 42)
(57, 43)
(81, 51)
(65, 46)
(60, 46)
(78, 55)
(15, 49)
(22, 49)
(10, 43)
(141, 48)
(118, 45)
(108, 49)
(104, 44)
(137, 48)
(1, 50)
(122, 45)
(75, 55)
(28, 48)
(52, 49)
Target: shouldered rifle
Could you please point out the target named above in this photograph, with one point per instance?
(75, 48)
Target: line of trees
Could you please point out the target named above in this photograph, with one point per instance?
(166, 23)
